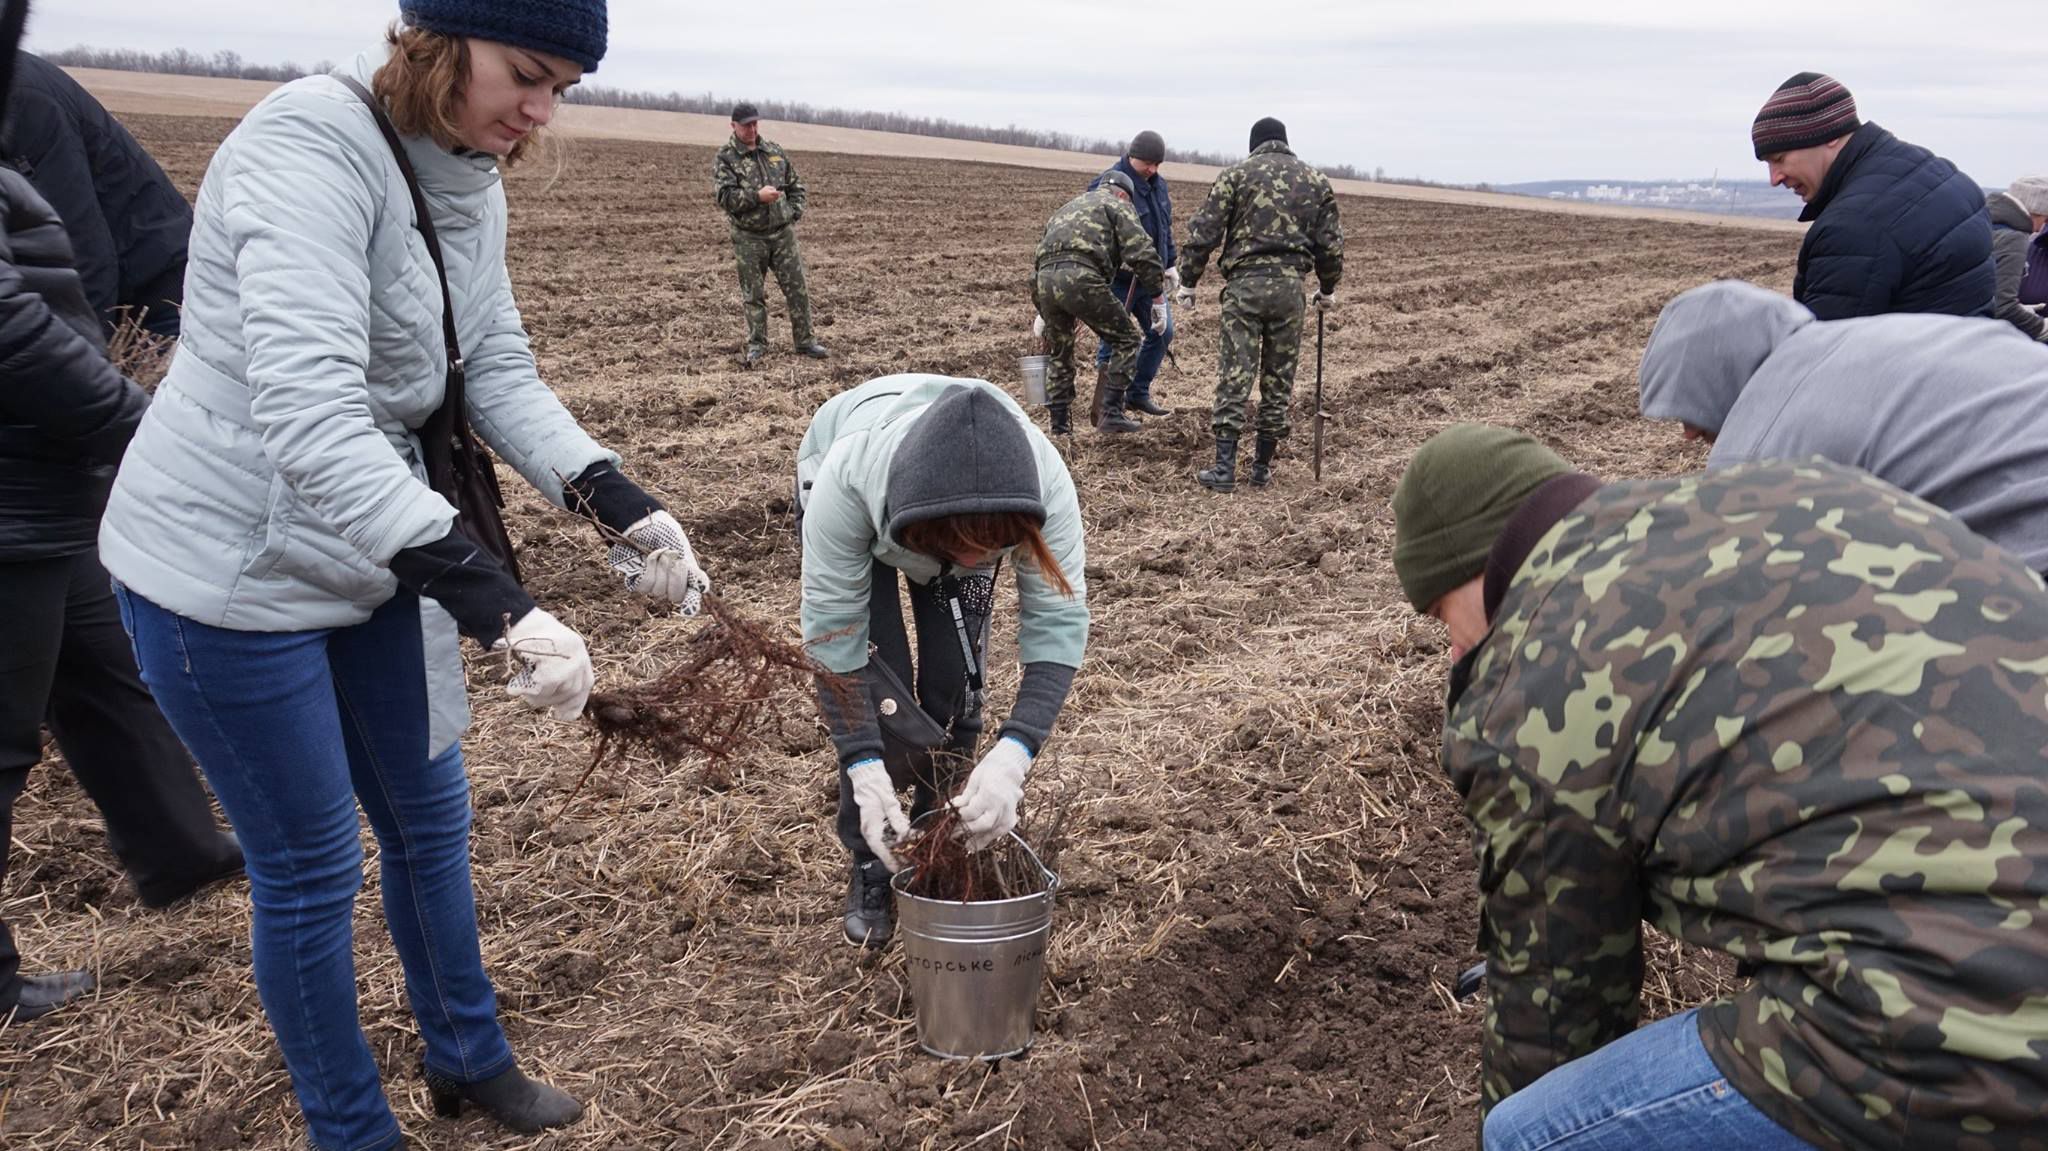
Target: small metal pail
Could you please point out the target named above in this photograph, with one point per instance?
(1033, 370)
(975, 968)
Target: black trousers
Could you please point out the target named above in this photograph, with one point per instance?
(67, 661)
(938, 679)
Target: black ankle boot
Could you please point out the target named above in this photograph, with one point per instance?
(869, 911)
(1113, 417)
(1057, 413)
(1222, 477)
(1262, 461)
(525, 1105)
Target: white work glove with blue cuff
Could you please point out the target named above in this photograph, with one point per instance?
(667, 569)
(988, 804)
(555, 674)
(881, 812)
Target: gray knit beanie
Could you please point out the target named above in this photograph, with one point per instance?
(2032, 193)
(1458, 493)
(967, 453)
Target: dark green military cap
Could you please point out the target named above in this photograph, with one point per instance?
(1455, 498)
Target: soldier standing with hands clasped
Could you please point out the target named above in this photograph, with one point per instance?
(763, 199)
(1274, 218)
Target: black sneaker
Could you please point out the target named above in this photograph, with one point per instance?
(870, 913)
(814, 350)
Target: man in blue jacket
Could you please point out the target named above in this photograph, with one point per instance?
(1895, 227)
(1155, 211)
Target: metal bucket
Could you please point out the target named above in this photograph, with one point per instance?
(975, 968)
(1033, 370)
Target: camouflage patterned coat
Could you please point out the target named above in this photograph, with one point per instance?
(1100, 230)
(1793, 714)
(739, 173)
(1269, 212)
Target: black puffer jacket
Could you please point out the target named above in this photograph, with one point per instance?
(1896, 228)
(128, 222)
(2012, 232)
(65, 413)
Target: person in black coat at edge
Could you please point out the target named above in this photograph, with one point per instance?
(128, 223)
(1896, 228)
(65, 417)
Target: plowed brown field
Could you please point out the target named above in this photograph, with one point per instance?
(1269, 887)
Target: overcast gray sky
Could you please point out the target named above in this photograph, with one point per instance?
(1457, 90)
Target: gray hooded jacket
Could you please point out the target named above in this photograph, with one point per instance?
(1953, 409)
(2012, 231)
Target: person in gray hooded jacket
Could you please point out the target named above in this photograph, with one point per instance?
(939, 479)
(2012, 232)
(1953, 409)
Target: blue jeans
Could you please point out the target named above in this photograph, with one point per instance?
(1151, 353)
(1655, 1087)
(294, 730)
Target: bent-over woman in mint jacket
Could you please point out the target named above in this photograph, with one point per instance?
(295, 587)
(941, 480)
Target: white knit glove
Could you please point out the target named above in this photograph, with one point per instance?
(1159, 317)
(555, 676)
(881, 813)
(1171, 283)
(667, 569)
(1184, 298)
(1038, 327)
(988, 804)
(1323, 300)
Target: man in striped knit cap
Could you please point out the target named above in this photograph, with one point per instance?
(1895, 227)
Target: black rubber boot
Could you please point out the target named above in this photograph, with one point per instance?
(1222, 477)
(1144, 405)
(1262, 461)
(523, 1104)
(813, 349)
(42, 994)
(870, 915)
(1113, 417)
(1060, 424)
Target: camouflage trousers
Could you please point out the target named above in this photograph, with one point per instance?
(1068, 292)
(1260, 343)
(760, 253)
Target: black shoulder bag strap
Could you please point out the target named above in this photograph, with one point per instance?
(456, 464)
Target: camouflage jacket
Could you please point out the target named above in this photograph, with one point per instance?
(1794, 714)
(1270, 211)
(739, 173)
(1102, 231)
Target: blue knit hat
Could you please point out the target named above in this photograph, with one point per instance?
(571, 29)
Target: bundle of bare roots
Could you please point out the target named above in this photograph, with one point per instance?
(140, 354)
(944, 867)
(709, 702)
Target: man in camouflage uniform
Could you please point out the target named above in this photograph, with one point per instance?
(763, 199)
(1275, 219)
(1086, 241)
(1786, 711)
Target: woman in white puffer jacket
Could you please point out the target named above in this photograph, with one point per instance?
(293, 584)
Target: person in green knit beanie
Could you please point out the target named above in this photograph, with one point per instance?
(1454, 505)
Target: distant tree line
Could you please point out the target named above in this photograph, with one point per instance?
(230, 65)
(179, 62)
